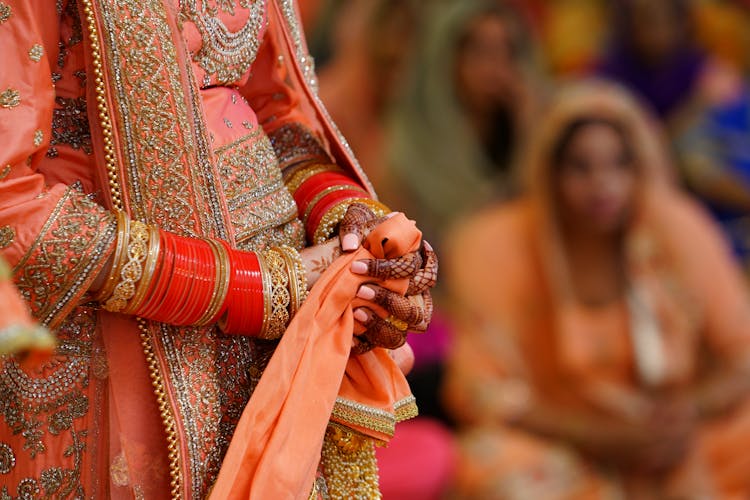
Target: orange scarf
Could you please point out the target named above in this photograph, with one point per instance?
(276, 447)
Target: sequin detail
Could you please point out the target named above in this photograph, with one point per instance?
(7, 459)
(5, 12)
(36, 52)
(7, 234)
(10, 98)
(224, 54)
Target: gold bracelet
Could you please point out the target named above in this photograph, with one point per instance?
(304, 173)
(132, 271)
(118, 260)
(221, 287)
(267, 288)
(279, 295)
(297, 277)
(377, 208)
(332, 189)
(336, 214)
(148, 271)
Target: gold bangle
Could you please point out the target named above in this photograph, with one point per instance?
(336, 214)
(304, 173)
(132, 271)
(118, 260)
(266, 282)
(221, 287)
(148, 271)
(379, 209)
(331, 189)
(280, 297)
(297, 278)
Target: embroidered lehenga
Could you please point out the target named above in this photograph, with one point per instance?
(183, 114)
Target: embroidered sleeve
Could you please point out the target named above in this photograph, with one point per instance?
(53, 236)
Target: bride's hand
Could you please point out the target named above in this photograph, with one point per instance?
(409, 312)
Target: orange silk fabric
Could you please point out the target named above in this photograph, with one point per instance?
(276, 448)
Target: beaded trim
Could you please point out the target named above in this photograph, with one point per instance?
(349, 464)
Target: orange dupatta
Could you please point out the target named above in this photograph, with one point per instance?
(275, 449)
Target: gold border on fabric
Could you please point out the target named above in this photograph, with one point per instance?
(306, 67)
(168, 173)
(352, 413)
(59, 266)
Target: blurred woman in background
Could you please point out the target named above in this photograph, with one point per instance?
(655, 52)
(470, 97)
(604, 330)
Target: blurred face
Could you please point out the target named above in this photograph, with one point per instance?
(486, 69)
(596, 180)
(657, 29)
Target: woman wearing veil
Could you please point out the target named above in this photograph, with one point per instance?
(604, 340)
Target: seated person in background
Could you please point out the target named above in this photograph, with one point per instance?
(603, 343)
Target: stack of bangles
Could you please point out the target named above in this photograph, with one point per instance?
(172, 279)
(323, 193)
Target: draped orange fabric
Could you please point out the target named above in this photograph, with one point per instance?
(276, 448)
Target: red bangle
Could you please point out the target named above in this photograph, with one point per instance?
(201, 285)
(163, 277)
(245, 301)
(318, 183)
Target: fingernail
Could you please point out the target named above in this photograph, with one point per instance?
(360, 315)
(359, 267)
(391, 214)
(428, 246)
(365, 292)
(349, 242)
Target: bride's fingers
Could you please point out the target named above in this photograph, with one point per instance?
(405, 266)
(401, 307)
(356, 224)
(425, 278)
(389, 333)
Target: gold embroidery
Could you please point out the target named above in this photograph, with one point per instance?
(70, 249)
(36, 52)
(53, 401)
(307, 66)
(7, 459)
(10, 98)
(118, 470)
(38, 138)
(224, 54)
(256, 196)
(167, 168)
(7, 234)
(405, 409)
(5, 172)
(5, 12)
(104, 118)
(351, 412)
(168, 420)
(293, 144)
(28, 488)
